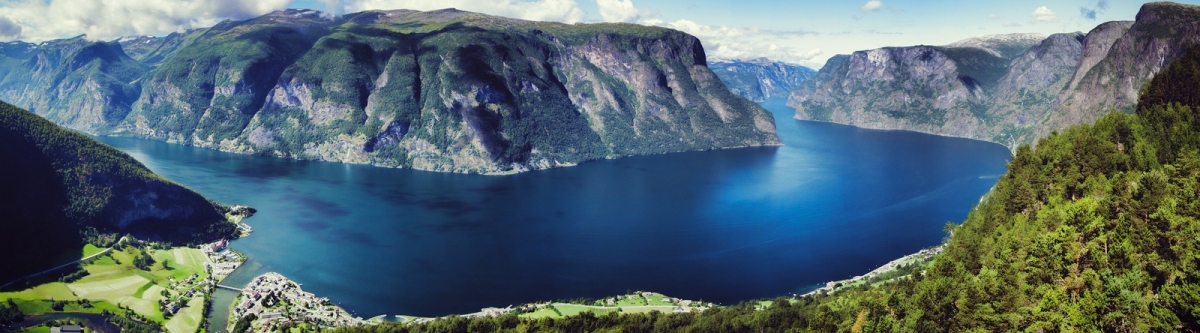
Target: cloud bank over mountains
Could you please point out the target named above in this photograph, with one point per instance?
(803, 33)
(41, 20)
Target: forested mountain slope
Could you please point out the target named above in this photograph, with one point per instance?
(443, 90)
(1094, 230)
(60, 186)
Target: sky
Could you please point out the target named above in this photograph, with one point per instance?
(796, 31)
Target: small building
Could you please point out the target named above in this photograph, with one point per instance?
(67, 329)
(220, 245)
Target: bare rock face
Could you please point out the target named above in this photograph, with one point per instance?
(924, 88)
(83, 85)
(1011, 89)
(1161, 33)
(1029, 90)
(443, 90)
(760, 79)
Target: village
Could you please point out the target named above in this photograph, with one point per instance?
(276, 301)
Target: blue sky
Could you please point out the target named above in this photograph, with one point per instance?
(805, 32)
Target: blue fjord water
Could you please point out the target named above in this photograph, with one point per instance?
(723, 226)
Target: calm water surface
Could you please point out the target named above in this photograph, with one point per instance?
(721, 226)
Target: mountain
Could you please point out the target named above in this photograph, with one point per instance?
(760, 79)
(1009, 89)
(1095, 230)
(936, 89)
(1161, 33)
(59, 186)
(443, 90)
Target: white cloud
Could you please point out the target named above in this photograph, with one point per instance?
(992, 16)
(333, 8)
(40, 20)
(871, 6)
(721, 42)
(618, 10)
(1043, 14)
(538, 10)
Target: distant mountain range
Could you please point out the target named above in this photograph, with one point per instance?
(760, 79)
(1009, 89)
(59, 186)
(443, 90)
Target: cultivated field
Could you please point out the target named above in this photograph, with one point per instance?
(113, 280)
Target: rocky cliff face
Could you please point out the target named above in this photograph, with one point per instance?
(1008, 89)
(1161, 33)
(760, 79)
(81, 84)
(936, 89)
(443, 90)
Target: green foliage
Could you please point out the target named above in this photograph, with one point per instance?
(243, 324)
(60, 185)
(10, 313)
(131, 322)
(144, 261)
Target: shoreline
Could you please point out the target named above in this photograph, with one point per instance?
(924, 254)
(520, 170)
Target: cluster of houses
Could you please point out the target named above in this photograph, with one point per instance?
(275, 300)
(190, 287)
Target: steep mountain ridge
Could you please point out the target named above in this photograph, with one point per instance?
(760, 79)
(1161, 33)
(935, 89)
(442, 90)
(1064, 79)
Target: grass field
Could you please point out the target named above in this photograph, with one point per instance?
(54, 290)
(572, 309)
(657, 299)
(188, 318)
(631, 301)
(37, 329)
(542, 313)
(113, 280)
(89, 250)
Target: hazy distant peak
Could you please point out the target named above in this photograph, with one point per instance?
(997, 44)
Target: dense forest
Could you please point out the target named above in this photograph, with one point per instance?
(60, 186)
(1094, 230)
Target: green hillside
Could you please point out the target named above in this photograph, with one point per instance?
(1095, 230)
(60, 186)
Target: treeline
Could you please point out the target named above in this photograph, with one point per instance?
(1095, 230)
(132, 323)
